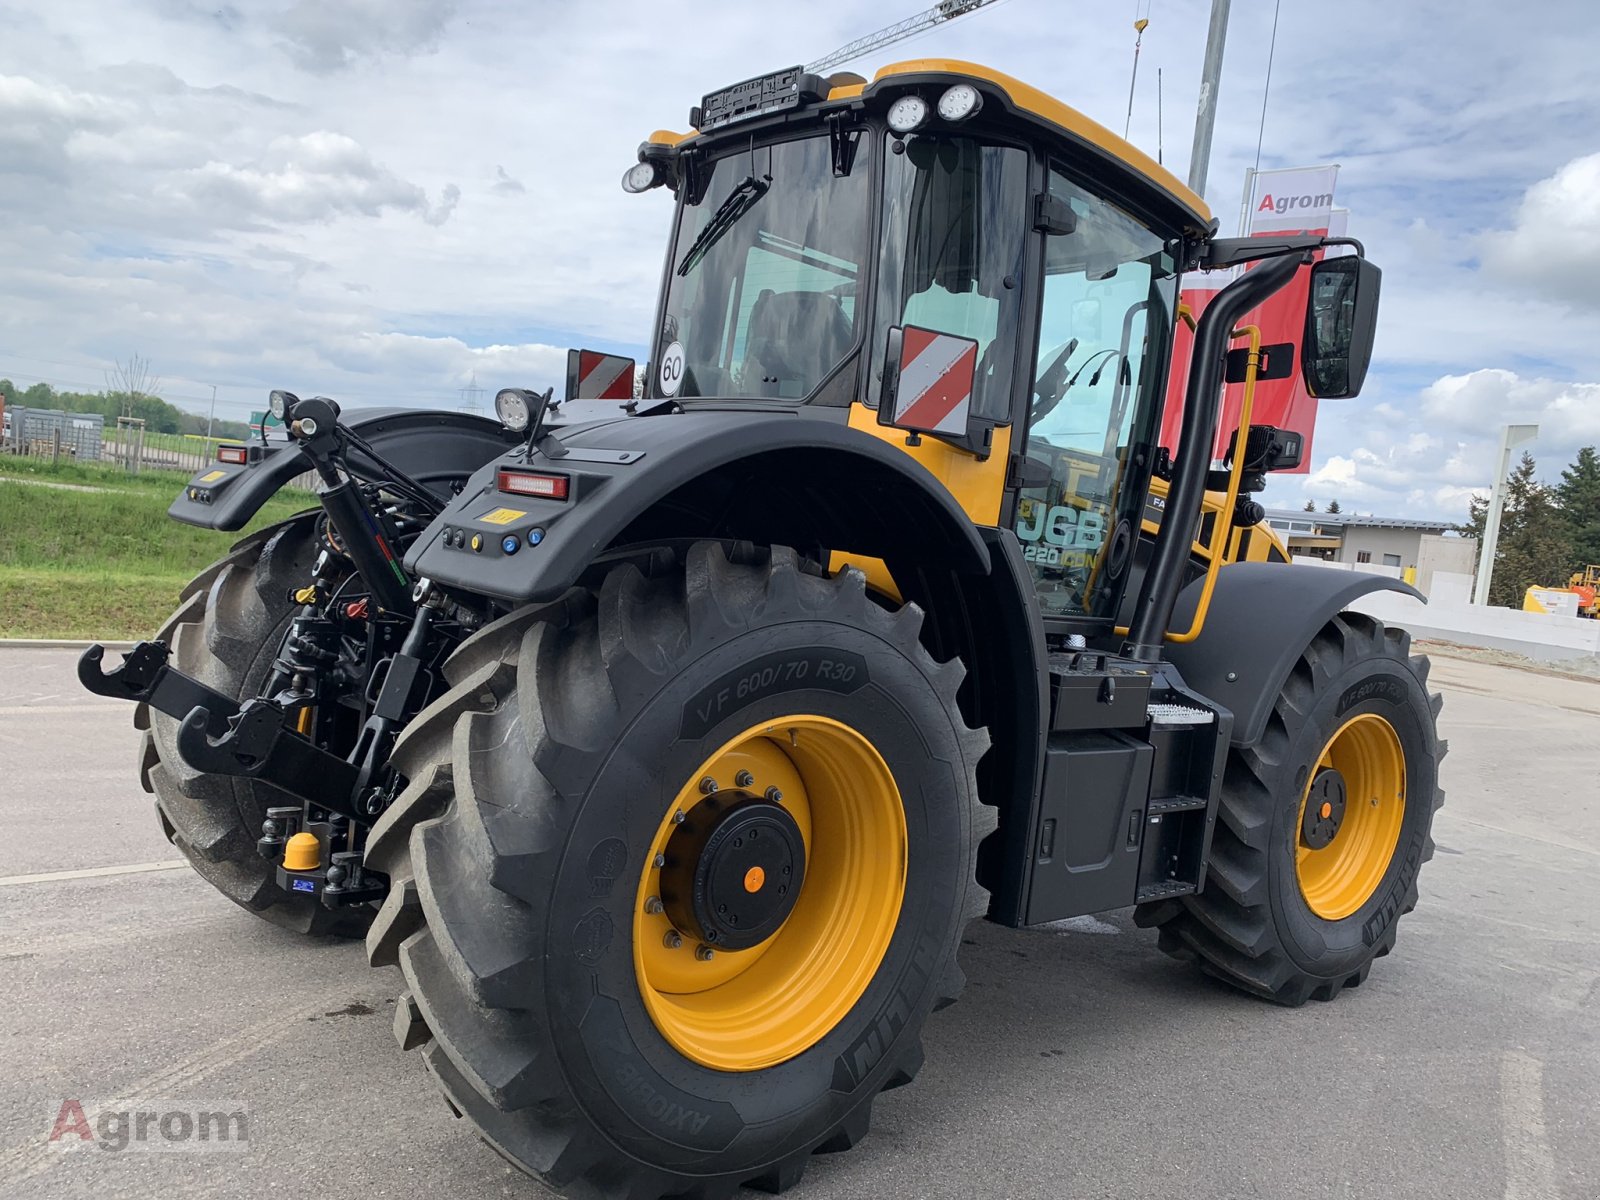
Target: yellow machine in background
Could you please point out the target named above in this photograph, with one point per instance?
(1583, 587)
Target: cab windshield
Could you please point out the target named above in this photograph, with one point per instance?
(762, 289)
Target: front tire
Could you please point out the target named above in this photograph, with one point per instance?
(526, 852)
(228, 628)
(1323, 824)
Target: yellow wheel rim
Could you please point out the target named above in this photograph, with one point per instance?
(743, 1010)
(1339, 877)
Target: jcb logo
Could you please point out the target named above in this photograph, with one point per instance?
(1061, 525)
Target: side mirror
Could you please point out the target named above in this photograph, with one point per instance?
(927, 382)
(1341, 315)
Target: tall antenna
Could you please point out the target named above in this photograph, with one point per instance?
(1266, 90)
(1138, 40)
(1159, 161)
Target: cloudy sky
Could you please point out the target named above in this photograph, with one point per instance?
(383, 199)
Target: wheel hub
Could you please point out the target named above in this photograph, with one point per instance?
(1324, 809)
(733, 871)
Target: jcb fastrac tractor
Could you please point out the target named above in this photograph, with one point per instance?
(667, 745)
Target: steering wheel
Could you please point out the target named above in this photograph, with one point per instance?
(1052, 383)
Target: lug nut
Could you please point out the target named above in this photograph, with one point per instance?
(743, 779)
(673, 939)
(707, 786)
(678, 818)
(704, 953)
(653, 906)
(774, 795)
(660, 861)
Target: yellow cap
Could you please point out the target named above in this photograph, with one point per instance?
(302, 853)
(306, 595)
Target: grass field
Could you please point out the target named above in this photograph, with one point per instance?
(101, 563)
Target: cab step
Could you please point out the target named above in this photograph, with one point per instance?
(1165, 890)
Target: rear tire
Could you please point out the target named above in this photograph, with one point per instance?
(518, 854)
(1265, 925)
(229, 625)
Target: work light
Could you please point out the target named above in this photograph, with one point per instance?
(641, 177)
(908, 114)
(511, 406)
(960, 102)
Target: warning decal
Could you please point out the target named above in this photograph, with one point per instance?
(595, 376)
(936, 375)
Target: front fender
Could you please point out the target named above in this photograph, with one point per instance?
(785, 478)
(430, 446)
(1261, 619)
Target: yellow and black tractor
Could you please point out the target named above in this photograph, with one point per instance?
(667, 743)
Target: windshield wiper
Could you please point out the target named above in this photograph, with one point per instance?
(740, 201)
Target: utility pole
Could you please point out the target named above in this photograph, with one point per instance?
(1205, 117)
(212, 419)
(1510, 438)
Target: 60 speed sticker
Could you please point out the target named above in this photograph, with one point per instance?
(671, 372)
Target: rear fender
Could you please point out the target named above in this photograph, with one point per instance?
(1261, 619)
(432, 447)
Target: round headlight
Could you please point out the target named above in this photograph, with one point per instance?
(511, 406)
(641, 177)
(960, 102)
(907, 114)
(279, 403)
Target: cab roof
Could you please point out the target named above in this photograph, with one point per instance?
(1068, 124)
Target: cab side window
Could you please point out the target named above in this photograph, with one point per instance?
(1105, 282)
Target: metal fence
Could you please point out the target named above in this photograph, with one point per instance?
(44, 431)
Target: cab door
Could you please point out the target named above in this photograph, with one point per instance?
(1108, 292)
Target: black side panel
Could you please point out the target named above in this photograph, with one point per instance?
(1262, 617)
(1091, 825)
(432, 447)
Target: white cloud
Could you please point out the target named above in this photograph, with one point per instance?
(1568, 414)
(321, 36)
(1554, 244)
(314, 177)
(377, 199)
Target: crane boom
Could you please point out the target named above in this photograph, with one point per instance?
(941, 13)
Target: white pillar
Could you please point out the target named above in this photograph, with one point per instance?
(1511, 437)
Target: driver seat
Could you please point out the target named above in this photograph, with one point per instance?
(795, 340)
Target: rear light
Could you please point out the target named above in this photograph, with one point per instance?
(231, 454)
(530, 483)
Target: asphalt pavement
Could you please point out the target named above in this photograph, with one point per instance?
(1080, 1063)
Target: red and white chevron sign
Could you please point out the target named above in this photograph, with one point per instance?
(595, 376)
(936, 374)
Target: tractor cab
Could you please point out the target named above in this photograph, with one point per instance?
(951, 261)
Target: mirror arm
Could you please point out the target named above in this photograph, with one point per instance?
(1201, 409)
(1230, 252)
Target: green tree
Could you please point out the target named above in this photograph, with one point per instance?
(8, 391)
(40, 395)
(1311, 506)
(1333, 506)
(1578, 495)
(1535, 546)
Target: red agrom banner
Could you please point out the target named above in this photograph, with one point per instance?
(1298, 200)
